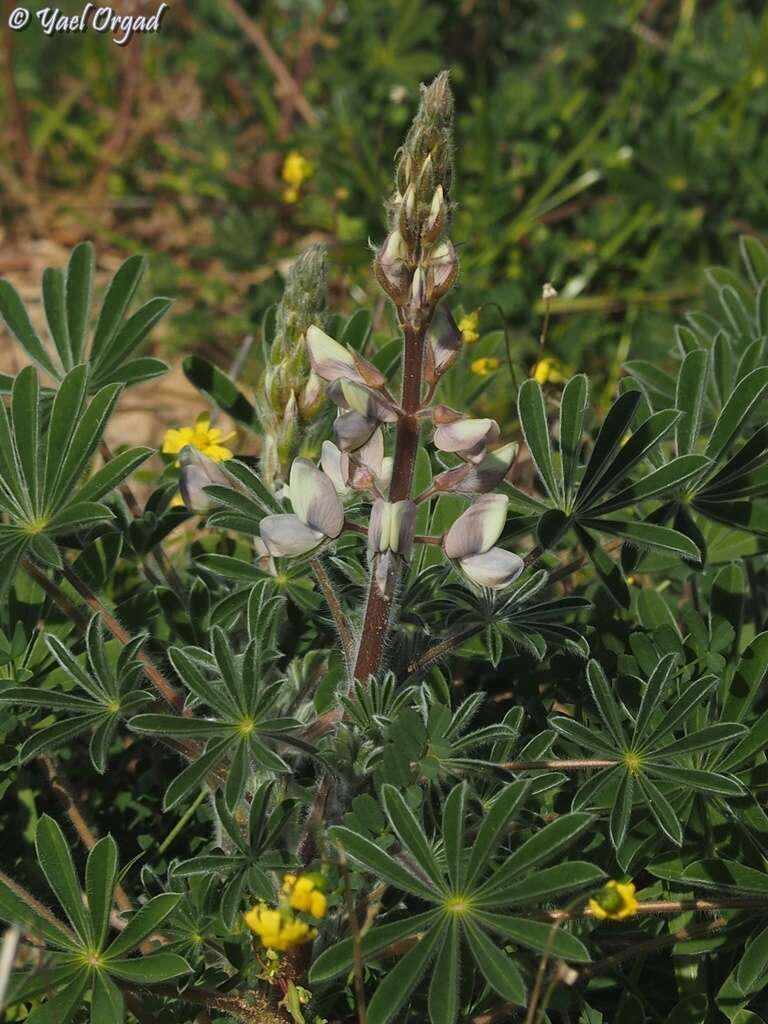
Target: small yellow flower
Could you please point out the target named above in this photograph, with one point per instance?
(614, 902)
(576, 21)
(207, 439)
(485, 365)
(468, 325)
(305, 894)
(342, 193)
(278, 929)
(547, 371)
(296, 170)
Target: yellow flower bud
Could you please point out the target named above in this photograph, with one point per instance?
(468, 325)
(615, 902)
(485, 365)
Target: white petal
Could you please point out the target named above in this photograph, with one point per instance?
(376, 525)
(199, 471)
(314, 499)
(371, 455)
(466, 435)
(479, 478)
(477, 529)
(352, 430)
(362, 400)
(329, 359)
(335, 465)
(286, 535)
(495, 569)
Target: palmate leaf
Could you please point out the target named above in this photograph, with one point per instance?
(649, 762)
(465, 891)
(584, 502)
(67, 305)
(43, 462)
(241, 712)
(105, 694)
(93, 961)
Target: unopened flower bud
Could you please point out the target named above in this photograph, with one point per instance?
(442, 269)
(288, 430)
(287, 371)
(391, 268)
(443, 344)
(392, 526)
(418, 292)
(407, 215)
(426, 184)
(312, 397)
(438, 215)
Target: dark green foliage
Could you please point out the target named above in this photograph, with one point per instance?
(600, 720)
(82, 956)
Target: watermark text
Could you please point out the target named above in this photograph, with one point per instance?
(93, 18)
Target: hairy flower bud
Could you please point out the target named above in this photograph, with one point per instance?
(444, 344)
(291, 397)
(312, 397)
(437, 218)
(442, 269)
(477, 478)
(390, 537)
(391, 268)
(419, 207)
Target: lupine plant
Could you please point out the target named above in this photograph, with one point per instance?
(390, 717)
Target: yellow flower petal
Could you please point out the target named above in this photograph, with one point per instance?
(175, 440)
(318, 904)
(485, 365)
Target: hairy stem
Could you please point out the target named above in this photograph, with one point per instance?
(252, 1010)
(566, 766)
(379, 607)
(638, 949)
(334, 606)
(62, 787)
(164, 687)
(354, 927)
(34, 904)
